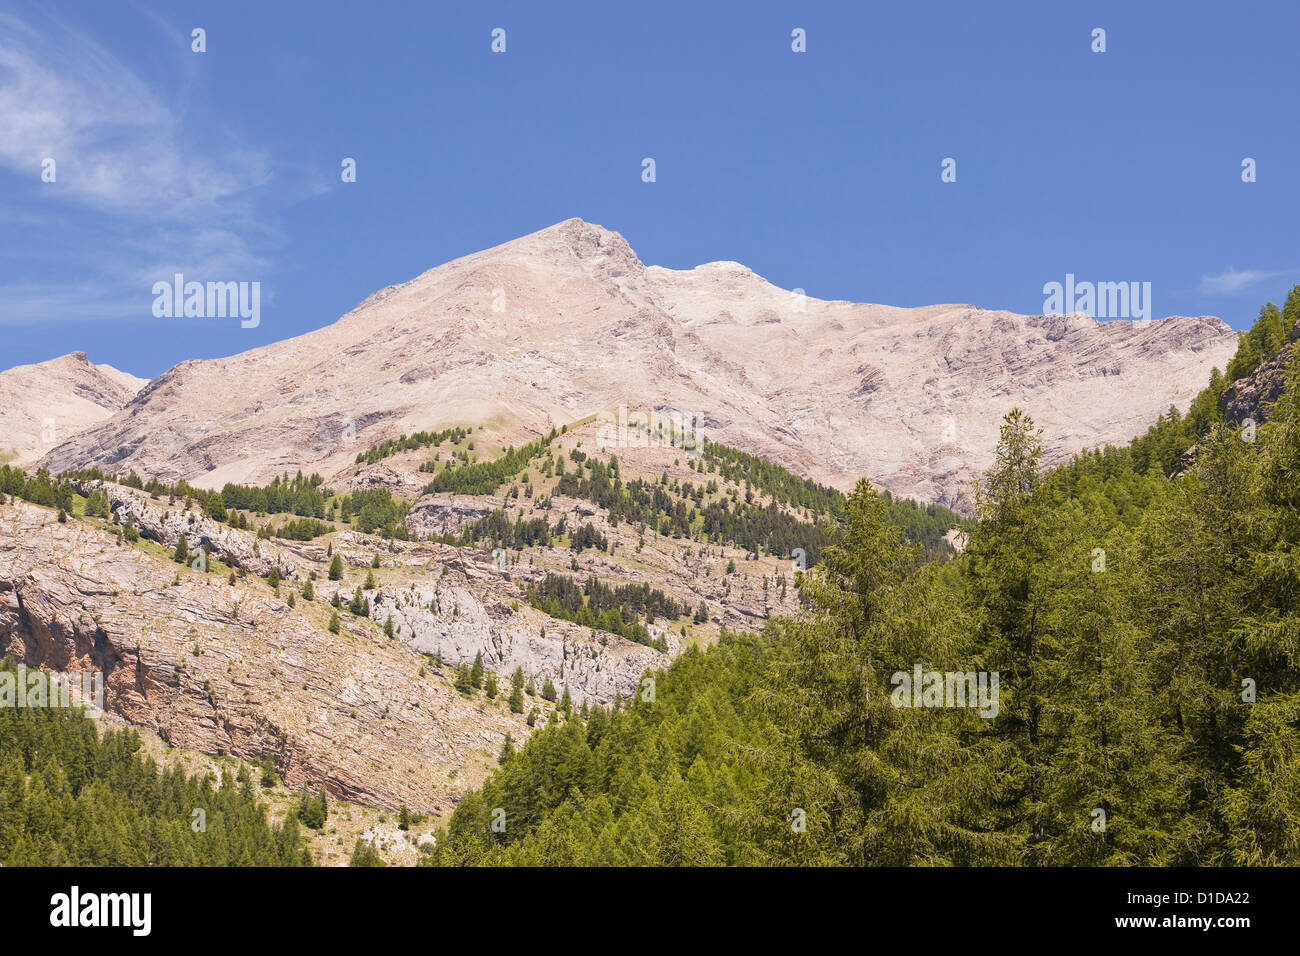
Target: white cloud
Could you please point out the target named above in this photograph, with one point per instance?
(118, 147)
(1231, 280)
(137, 195)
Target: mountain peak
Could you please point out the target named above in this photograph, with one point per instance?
(579, 239)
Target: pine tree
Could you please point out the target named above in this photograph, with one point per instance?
(336, 568)
(1010, 553)
(365, 854)
(476, 672)
(462, 680)
(313, 811)
(516, 700)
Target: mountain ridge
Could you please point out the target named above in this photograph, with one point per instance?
(567, 322)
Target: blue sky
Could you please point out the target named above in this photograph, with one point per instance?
(818, 170)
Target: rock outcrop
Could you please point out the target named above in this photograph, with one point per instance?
(1250, 397)
(166, 524)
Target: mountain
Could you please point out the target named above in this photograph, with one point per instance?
(42, 405)
(567, 322)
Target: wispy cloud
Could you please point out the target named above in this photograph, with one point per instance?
(137, 195)
(1232, 280)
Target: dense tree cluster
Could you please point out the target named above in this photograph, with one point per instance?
(376, 509)
(678, 511)
(621, 609)
(586, 537)
(497, 528)
(284, 495)
(484, 478)
(1163, 446)
(771, 479)
(1266, 336)
(921, 524)
(302, 529)
(41, 488)
(422, 439)
(72, 797)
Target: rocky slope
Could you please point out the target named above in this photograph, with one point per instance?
(568, 322)
(442, 599)
(213, 659)
(46, 404)
(1251, 397)
(233, 670)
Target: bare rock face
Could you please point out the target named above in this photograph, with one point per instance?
(462, 619)
(234, 670)
(166, 524)
(1251, 397)
(43, 405)
(455, 603)
(447, 514)
(567, 322)
(401, 484)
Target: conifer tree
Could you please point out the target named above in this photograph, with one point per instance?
(516, 700)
